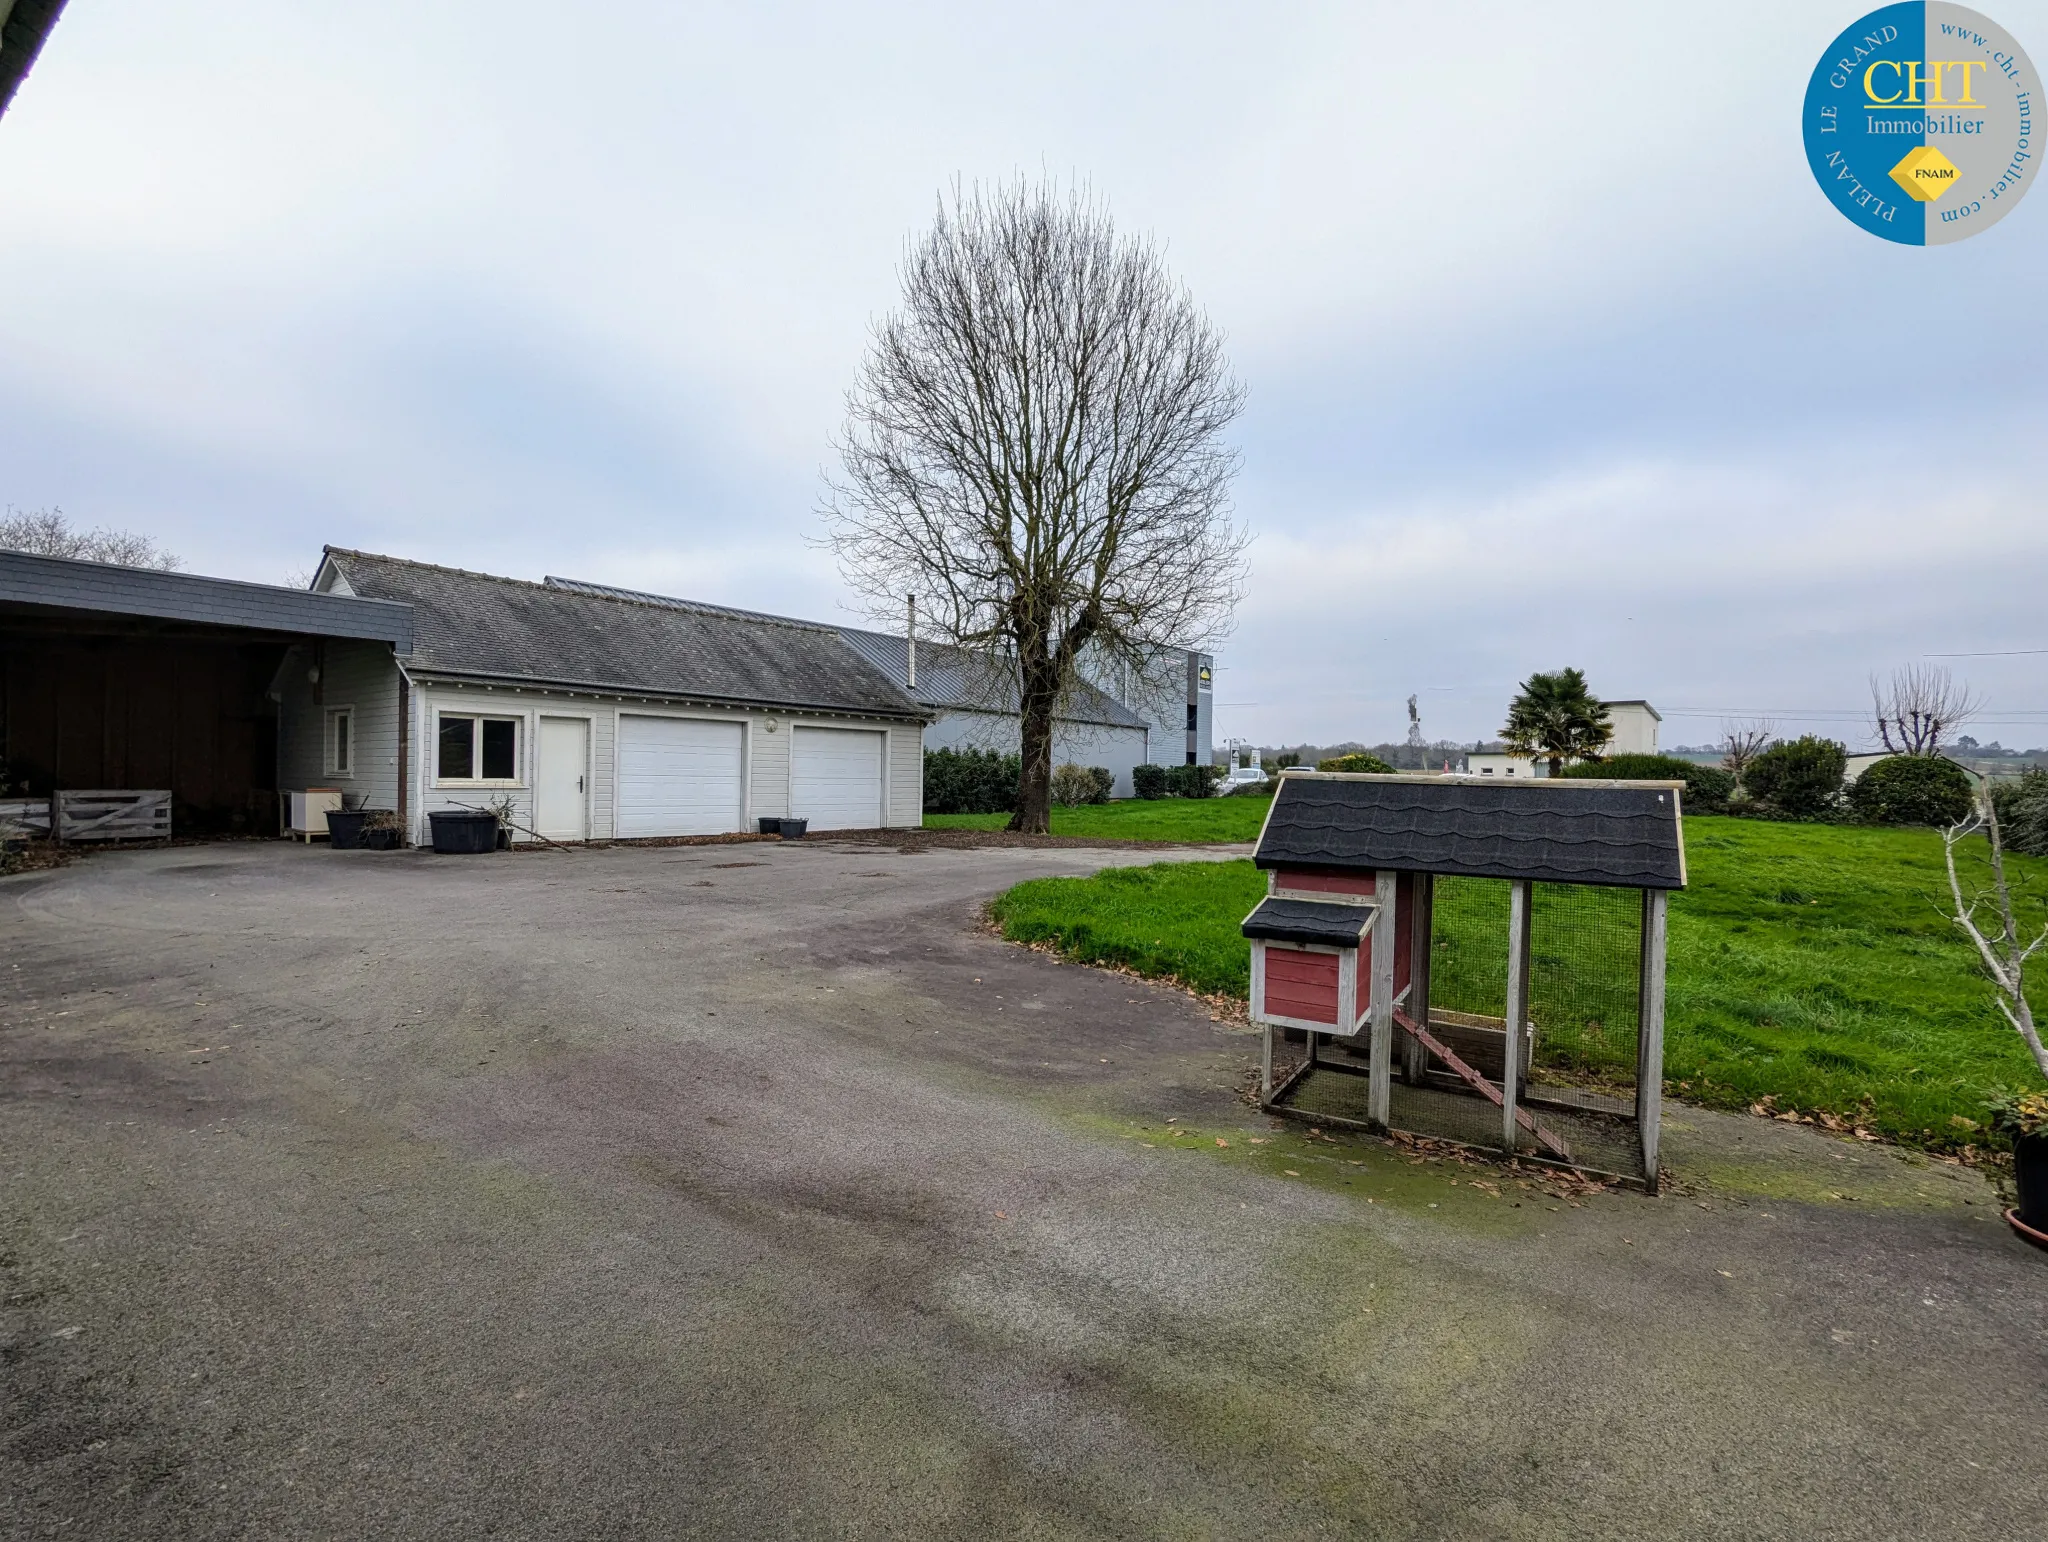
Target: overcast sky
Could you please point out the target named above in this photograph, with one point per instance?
(1556, 355)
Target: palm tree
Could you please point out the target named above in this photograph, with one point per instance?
(1557, 717)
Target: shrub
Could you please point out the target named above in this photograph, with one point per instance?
(1912, 790)
(1706, 787)
(970, 782)
(1148, 781)
(1193, 781)
(1801, 777)
(2023, 812)
(1358, 762)
(1251, 790)
(1072, 784)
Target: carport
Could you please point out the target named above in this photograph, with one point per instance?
(117, 677)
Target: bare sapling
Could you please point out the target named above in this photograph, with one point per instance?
(2003, 955)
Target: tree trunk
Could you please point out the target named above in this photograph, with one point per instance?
(1039, 694)
(1557, 765)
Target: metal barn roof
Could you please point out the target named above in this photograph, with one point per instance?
(509, 629)
(69, 587)
(1625, 834)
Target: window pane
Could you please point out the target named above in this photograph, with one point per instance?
(498, 742)
(458, 747)
(341, 741)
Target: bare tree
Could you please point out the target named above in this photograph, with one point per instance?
(50, 533)
(1035, 443)
(1920, 709)
(1743, 742)
(2003, 955)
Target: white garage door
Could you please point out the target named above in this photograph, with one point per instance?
(678, 776)
(835, 778)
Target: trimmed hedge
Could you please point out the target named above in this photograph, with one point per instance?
(1148, 781)
(1072, 784)
(971, 782)
(1360, 762)
(1193, 781)
(1801, 777)
(1912, 790)
(1706, 787)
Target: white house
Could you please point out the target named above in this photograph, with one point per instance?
(594, 716)
(1635, 733)
(1117, 717)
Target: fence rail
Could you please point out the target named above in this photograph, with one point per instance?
(111, 815)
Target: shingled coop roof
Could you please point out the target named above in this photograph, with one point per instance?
(1624, 834)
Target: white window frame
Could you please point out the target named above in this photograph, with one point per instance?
(332, 759)
(522, 738)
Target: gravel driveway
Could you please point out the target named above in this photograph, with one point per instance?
(750, 1190)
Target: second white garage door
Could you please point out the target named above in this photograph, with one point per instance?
(835, 778)
(679, 776)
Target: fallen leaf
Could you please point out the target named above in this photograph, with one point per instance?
(1222, 1142)
(1291, 1173)
(1258, 1140)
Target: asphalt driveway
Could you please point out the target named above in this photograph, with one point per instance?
(751, 1191)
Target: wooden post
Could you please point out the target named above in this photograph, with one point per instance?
(1416, 1065)
(1517, 1008)
(1650, 1034)
(1266, 1068)
(1310, 1035)
(1380, 1086)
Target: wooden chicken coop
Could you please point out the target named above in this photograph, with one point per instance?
(1480, 962)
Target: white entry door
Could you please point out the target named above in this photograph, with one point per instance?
(561, 782)
(835, 778)
(680, 776)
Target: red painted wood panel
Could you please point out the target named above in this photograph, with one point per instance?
(1301, 984)
(1325, 882)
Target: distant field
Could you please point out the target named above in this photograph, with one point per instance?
(1813, 963)
(1201, 820)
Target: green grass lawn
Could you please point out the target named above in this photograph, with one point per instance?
(1812, 963)
(1202, 820)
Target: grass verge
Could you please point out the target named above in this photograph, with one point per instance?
(1200, 821)
(1813, 965)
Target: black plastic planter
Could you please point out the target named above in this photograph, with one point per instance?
(458, 832)
(345, 828)
(385, 839)
(2030, 1176)
(770, 826)
(792, 829)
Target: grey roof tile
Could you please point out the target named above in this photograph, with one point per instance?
(507, 628)
(946, 676)
(1616, 833)
(1293, 920)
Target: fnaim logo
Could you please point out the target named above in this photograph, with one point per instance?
(1920, 123)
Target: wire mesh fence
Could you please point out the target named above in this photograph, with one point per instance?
(1576, 1065)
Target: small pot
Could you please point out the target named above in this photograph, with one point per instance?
(345, 828)
(792, 829)
(770, 825)
(504, 837)
(2030, 1176)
